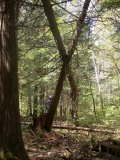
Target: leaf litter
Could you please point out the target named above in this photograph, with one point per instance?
(59, 145)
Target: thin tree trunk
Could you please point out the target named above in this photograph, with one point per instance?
(61, 111)
(97, 80)
(93, 99)
(11, 143)
(20, 101)
(35, 101)
(29, 100)
(42, 98)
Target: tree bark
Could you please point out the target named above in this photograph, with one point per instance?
(55, 99)
(35, 101)
(11, 143)
(74, 96)
(42, 98)
(65, 56)
(93, 100)
(97, 81)
(29, 101)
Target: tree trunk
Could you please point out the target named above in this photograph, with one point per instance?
(61, 111)
(11, 143)
(29, 100)
(97, 80)
(42, 97)
(55, 99)
(35, 101)
(93, 99)
(66, 56)
(74, 96)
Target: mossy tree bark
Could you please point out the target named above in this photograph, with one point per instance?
(11, 143)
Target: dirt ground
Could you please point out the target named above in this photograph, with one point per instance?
(65, 145)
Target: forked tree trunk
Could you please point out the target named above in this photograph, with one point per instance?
(66, 56)
(11, 143)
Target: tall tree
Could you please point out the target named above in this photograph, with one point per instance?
(11, 143)
(66, 56)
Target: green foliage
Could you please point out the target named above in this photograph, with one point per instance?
(39, 61)
(110, 4)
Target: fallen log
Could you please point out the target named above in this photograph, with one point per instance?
(86, 129)
(106, 131)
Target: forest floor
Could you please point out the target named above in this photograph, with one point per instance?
(66, 145)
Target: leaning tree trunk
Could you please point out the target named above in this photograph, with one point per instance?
(55, 99)
(66, 56)
(11, 143)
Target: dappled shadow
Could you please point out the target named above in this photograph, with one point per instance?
(67, 145)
